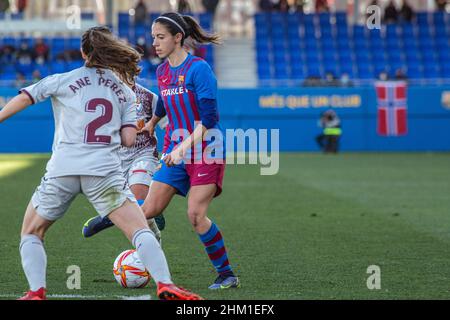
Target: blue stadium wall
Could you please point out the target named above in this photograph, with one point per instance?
(294, 112)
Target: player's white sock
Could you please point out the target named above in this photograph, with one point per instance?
(34, 261)
(152, 256)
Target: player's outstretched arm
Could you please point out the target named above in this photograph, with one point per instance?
(17, 104)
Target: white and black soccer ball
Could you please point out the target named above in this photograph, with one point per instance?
(129, 271)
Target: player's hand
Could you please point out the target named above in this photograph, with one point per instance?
(174, 158)
(149, 127)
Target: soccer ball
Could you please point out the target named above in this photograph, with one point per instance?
(129, 271)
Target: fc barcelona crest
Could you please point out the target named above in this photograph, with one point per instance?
(180, 80)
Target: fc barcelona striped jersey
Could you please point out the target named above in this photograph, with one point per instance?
(181, 88)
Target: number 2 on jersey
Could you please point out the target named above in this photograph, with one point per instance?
(90, 137)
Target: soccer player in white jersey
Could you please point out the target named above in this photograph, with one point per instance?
(94, 115)
(139, 163)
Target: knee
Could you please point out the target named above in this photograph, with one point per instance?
(140, 191)
(195, 216)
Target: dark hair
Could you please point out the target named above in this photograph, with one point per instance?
(189, 28)
(104, 50)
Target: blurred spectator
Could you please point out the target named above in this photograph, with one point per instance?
(322, 6)
(7, 55)
(140, 15)
(441, 4)
(282, 6)
(184, 7)
(73, 55)
(400, 74)
(312, 81)
(383, 76)
(345, 80)
(36, 76)
(21, 5)
(141, 47)
(328, 140)
(20, 82)
(24, 55)
(265, 5)
(406, 12)
(41, 49)
(390, 13)
(4, 5)
(299, 5)
(210, 6)
(330, 80)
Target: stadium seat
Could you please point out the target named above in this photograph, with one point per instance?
(325, 42)
(422, 18)
(341, 18)
(414, 72)
(431, 72)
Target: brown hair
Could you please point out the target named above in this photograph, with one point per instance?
(104, 50)
(189, 28)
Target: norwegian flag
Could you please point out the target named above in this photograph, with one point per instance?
(392, 107)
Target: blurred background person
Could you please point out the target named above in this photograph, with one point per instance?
(140, 12)
(210, 6)
(406, 12)
(21, 5)
(184, 6)
(322, 6)
(4, 5)
(390, 13)
(265, 5)
(40, 49)
(328, 140)
(441, 4)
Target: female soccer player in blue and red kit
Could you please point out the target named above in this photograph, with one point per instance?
(188, 92)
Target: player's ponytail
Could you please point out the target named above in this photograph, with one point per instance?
(188, 27)
(196, 32)
(104, 50)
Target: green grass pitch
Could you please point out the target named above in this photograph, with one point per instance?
(309, 232)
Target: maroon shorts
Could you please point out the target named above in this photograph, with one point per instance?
(204, 174)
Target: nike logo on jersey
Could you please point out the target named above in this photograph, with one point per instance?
(202, 175)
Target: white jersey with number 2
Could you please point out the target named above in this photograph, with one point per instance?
(90, 107)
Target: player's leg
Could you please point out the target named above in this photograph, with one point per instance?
(111, 197)
(206, 183)
(130, 219)
(200, 198)
(158, 198)
(140, 191)
(32, 252)
(140, 177)
(166, 183)
(139, 173)
(49, 203)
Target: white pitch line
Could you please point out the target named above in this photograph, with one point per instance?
(85, 297)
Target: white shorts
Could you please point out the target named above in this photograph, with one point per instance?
(106, 194)
(140, 170)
